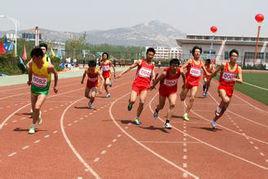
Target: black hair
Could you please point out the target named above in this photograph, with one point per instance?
(37, 52)
(43, 45)
(233, 51)
(92, 63)
(208, 60)
(196, 47)
(150, 50)
(104, 54)
(174, 61)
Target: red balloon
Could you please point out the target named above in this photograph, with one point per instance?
(259, 18)
(213, 29)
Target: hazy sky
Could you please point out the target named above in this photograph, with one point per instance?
(232, 17)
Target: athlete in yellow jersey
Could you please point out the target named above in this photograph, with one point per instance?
(39, 77)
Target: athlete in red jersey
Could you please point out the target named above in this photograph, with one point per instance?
(92, 81)
(105, 66)
(207, 79)
(142, 82)
(230, 73)
(193, 75)
(168, 89)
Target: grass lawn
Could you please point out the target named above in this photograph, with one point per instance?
(258, 79)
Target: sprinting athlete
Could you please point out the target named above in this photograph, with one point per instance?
(142, 82)
(230, 73)
(168, 89)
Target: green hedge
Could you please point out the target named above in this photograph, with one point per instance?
(10, 65)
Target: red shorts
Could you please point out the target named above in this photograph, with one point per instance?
(106, 74)
(228, 89)
(166, 93)
(190, 86)
(91, 85)
(138, 88)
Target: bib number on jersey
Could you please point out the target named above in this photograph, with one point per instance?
(170, 82)
(93, 79)
(196, 72)
(145, 72)
(39, 81)
(105, 68)
(228, 76)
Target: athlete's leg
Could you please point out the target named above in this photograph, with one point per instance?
(40, 101)
(225, 101)
(183, 94)
(132, 99)
(33, 101)
(143, 95)
(93, 93)
(87, 90)
(172, 101)
(192, 97)
(162, 101)
(106, 84)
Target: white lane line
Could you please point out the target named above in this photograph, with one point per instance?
(86, 165)
(226, 128)
(75, 121)
(12, 154)
(12, 114)
(103, 152)
(169, 142)
(96, 159)
(209, 145)
(25, 147)
(228, 110)
(37, 141)
(184, 165)
(110, 145)
(185, 175)
(114, 140)
(54, 132)
(46, 136)
(119, 135)
(142, 145)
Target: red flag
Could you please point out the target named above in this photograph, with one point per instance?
(24, 54)
(2, 49)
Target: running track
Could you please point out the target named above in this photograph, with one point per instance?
(75, 142)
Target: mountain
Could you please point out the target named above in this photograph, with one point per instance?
(153, 33)
(146, 34)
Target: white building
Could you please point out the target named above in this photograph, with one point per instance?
(165, 53)
(218, 48)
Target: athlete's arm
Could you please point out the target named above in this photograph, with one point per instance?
(30, 73)
(51, 69)
(218, 68)
(135, 64)
(240, 78)
(113, 68)
(204, 69)
(102, 81)
(186, 64)
(183, 77)
(161, 77)
(84, 75)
